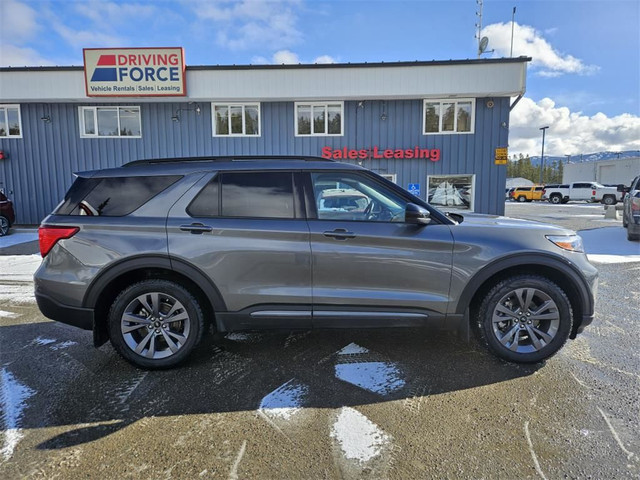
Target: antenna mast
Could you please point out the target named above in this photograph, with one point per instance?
(479, 25)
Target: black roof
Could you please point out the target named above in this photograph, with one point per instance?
(182, 166)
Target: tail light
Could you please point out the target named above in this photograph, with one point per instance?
(593, 192)
(635, 204)
(49, 236)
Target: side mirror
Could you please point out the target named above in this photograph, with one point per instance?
(416, 215)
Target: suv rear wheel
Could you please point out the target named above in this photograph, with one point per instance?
(525, 318)
(522, 198)
(4, 226)
(155, 324)
(555, 198)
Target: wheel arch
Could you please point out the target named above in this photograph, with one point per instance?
(104, 288)
(558, 270)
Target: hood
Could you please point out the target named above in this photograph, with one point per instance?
(480, 220)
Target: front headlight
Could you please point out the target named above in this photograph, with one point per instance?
(573, 243)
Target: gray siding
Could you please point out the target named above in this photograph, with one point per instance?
(40, 166)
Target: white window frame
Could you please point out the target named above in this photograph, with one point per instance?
(235, 104)
(84, 108)
(6, 119)
(472, 206)
(326, 119)
(455, 115)
(393, 177)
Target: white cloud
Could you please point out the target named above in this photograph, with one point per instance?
(288, 57)
(530, 42)
(19, 23)
(285, 56)
(85, 38)
(569, 133)
(111, 13)
(12, 56)
(250, 24)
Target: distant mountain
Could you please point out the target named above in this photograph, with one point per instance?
(587, 157)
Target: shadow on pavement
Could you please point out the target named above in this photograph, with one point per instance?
(80, 386)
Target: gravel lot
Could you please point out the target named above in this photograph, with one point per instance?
(335, 404)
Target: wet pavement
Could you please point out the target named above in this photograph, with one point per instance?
(328, 404)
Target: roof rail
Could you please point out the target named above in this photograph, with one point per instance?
(234, 158)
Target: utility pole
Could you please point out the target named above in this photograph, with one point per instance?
(513, 19)
(544, 129)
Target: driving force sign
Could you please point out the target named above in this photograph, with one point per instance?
(134, 72)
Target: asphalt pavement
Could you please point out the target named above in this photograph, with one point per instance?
(327, 404)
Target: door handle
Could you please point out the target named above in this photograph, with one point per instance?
(339, 234)
(196, 228)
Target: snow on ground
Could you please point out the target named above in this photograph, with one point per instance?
(16, 238)
(609, 245)
(18, 294)
(359, 438)
(352, 349)
(19, 267)
(4, 314)
(43, 341)
(13, 397)
(243, 337)
(62, 345)
(284, 401)
(382, 378)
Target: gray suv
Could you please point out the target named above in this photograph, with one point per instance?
(152, 254)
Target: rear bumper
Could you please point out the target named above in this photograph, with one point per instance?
(75, 316)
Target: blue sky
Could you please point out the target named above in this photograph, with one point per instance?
(584, 79)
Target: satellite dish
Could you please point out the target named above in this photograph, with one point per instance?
(484, 42)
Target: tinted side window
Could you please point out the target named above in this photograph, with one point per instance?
(257, 194)
(112, 197)
(581, 185)
(206, 203)
(539, 189)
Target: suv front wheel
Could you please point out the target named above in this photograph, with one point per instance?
(155, 324)
(525, 318)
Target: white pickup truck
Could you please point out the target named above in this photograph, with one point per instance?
(588, 191)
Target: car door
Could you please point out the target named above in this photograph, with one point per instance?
(581, 191)
(370, 268)
(247, 232)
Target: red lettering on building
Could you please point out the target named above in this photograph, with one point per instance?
(432, 154)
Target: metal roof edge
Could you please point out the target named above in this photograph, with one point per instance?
(420, 63)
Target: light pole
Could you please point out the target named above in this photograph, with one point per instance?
(544, 129)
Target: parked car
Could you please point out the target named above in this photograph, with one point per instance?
(507, 192)
(7, 215)
(527, 194)
(631, 210)
(151, 254)
(587, 191)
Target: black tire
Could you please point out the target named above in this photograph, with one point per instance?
(555, 199)
(625, 224)
(522, 199)
(4, 225)
(522, 329)
(632, 237)
(157, 332)
(609, 200)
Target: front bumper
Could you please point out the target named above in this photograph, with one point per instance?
(75, 316)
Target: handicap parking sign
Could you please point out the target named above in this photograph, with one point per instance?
(414, 189)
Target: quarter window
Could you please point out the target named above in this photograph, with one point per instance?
(319, 119)
(110, 122)
(238, 119)
(448, 116)
(10, 121)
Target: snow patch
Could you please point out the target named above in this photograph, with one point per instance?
(609, 245)
(19, 267)
(43, 341)
(4, 314)
(352, 349)
(16, 294)
(382, 378)
(243, 337)
(13, 397)
(284, 401)
(60, 346)
(359, 438)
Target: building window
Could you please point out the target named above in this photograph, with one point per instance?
(320, 119)
(110, 122)
(449, 116)
(392, 177)
(451, 191)
(237, 119)
(10, 121)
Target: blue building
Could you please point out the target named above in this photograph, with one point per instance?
(434, 127)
